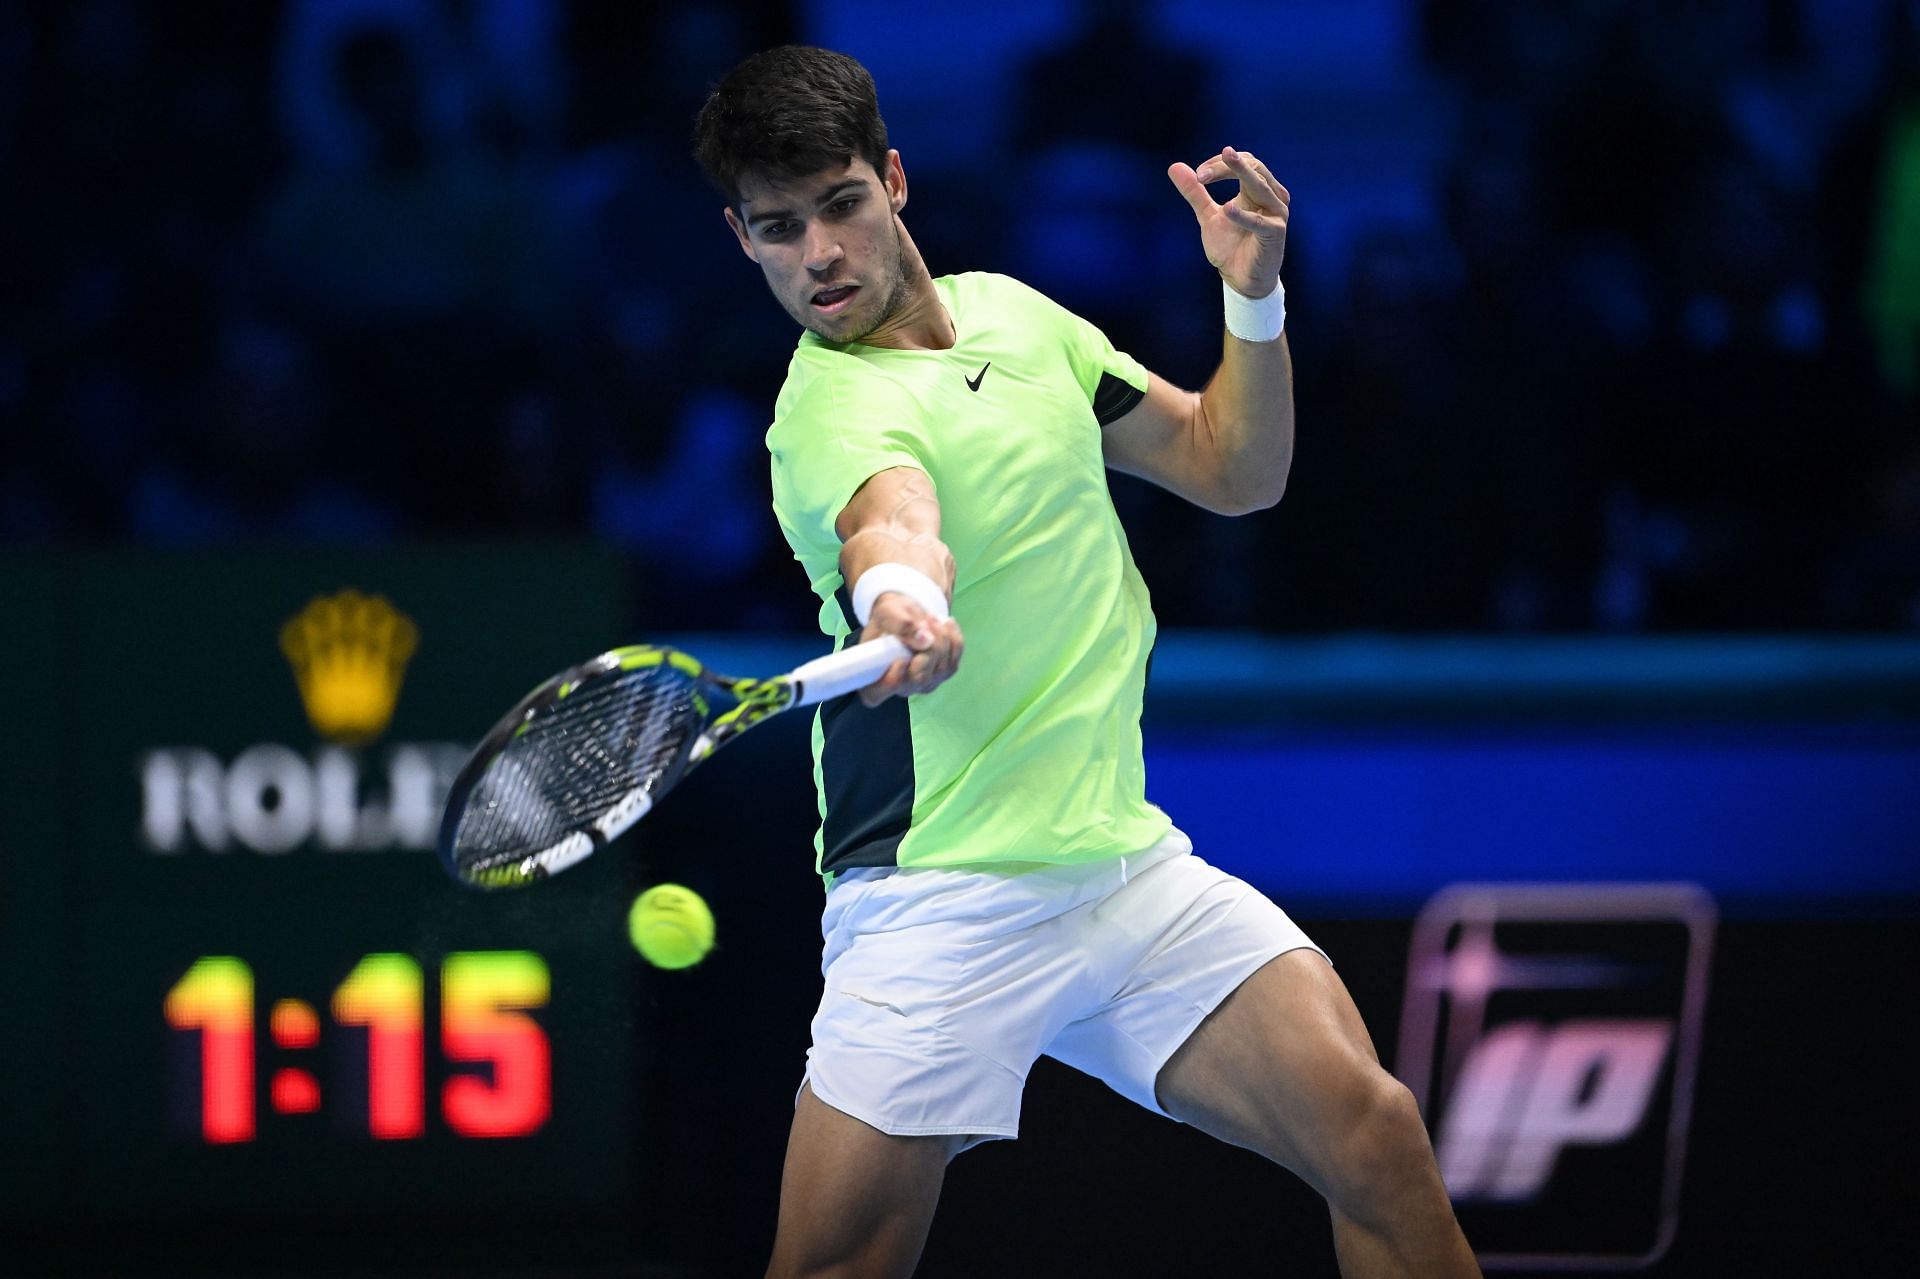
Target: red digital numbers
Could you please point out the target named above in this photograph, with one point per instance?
(216, 999)
(481, 995)
(485, 1003)
(382, 993)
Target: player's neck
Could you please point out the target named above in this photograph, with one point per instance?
(920, 323)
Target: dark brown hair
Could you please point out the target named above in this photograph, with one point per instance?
(788, 113)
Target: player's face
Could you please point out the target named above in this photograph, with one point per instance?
(829, 245)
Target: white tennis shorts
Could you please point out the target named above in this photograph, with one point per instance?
(943, 986)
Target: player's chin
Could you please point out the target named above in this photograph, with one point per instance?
(834, 328)
(849, 321)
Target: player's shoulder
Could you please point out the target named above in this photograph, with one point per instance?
(993, 287)
(816, 370)
(1014, 307)
(826, 385)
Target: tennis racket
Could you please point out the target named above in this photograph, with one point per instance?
(591, 751)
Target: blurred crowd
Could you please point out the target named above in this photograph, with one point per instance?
(1646, 357)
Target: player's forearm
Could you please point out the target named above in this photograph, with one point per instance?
(900, 576)
(896, 519)
(1246, 422)
(887, 545)
(1243, 422)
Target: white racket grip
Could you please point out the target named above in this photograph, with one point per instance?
(849, 669)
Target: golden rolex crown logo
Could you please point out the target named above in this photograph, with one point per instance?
(349, 653)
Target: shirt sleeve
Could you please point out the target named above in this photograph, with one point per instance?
(1113, 380)
(836, 435)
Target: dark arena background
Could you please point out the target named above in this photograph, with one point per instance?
(362, 362)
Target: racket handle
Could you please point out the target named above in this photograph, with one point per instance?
(847, 670)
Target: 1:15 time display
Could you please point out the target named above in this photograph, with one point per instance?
(486, 998)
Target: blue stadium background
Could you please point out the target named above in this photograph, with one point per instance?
(1600, 561)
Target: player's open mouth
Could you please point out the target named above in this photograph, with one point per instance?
(834, 300)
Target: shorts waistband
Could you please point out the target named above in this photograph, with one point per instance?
(884, 899)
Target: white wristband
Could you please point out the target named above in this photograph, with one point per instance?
(1256, 319)
(906, 579)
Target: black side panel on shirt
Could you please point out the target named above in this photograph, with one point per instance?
(866, 770)
(1146, 684)
(1113, 399)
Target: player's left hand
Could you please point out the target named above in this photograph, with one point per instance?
(1246, 237)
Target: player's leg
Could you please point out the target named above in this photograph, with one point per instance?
(1284, 1066)
(908, 1067)
(854, 1202)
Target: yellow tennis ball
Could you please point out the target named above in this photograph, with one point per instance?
(671, 926)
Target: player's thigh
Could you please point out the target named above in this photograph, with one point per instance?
(854, 1200)
(1283, 1066)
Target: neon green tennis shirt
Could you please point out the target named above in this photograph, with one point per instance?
(1031, 751)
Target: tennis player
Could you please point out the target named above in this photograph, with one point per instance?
(998, 885)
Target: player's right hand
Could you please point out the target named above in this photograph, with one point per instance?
(936, 643)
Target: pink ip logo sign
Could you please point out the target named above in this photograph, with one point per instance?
(1551, 1033)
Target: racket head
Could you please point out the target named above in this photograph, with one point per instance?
(585, 755)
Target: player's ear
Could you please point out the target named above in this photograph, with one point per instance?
(740, 233)
(895, 178)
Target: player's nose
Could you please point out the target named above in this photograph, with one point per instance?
(822, 248)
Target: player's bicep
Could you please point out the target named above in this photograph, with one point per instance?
(899, 501)
(1158, 441)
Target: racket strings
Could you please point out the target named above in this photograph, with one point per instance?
(577, 758)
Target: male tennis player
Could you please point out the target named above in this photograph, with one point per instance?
(999, 886)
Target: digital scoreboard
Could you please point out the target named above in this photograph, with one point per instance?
(485, 1022)
(240, 991)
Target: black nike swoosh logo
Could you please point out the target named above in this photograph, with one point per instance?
(973, 383)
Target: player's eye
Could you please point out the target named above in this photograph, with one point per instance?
(775, 230)
(843, 206)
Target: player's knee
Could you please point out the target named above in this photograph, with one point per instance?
(1381, 1145)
